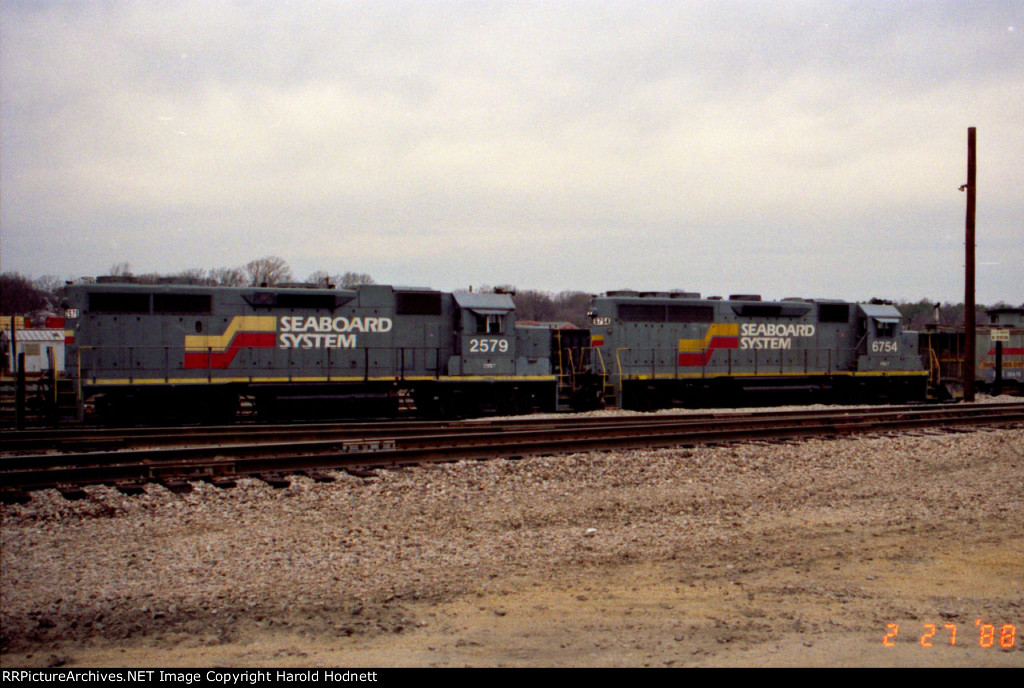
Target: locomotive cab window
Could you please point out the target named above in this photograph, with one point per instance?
(488, 323)
(885, 328)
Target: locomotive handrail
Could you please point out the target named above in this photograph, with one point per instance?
(600, 357)
(571, 375)
(604, 372)
(934, 367)
(562, 375)
(800, 360)
(629, 361)
(79, 396)
(863, 340)
(204, 368)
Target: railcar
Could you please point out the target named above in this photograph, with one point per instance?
(175, 352)
(999, 355)
(657, 349)
(1000, 351)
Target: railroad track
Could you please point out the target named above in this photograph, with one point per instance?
(79, 440)
(130, 459)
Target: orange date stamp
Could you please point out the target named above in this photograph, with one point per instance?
(988, 635)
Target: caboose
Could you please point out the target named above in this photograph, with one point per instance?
(657, 349)
(175, 352)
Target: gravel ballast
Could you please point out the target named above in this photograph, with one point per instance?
(361, 565)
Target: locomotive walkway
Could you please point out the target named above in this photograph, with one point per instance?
(127, 459)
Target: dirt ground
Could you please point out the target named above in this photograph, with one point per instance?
(823, 553)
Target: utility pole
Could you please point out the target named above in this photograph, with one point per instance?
(970, 324)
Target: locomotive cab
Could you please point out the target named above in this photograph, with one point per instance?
(485, 343)
(885, 350)
(882, 343)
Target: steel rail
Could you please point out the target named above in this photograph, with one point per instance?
(37, 472)
(361, 441)
(110, 439)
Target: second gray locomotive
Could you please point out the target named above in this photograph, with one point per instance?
(659, 349)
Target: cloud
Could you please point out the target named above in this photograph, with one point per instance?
(565, 145)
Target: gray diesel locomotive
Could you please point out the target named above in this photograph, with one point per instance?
(662, 349)
(172, 351)
(175, 352)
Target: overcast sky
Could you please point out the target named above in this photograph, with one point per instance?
(786, 148)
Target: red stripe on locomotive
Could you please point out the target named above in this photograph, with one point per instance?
(701, 358)
(219, 360)
(1008, 351)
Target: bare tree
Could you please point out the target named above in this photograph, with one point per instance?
(193, 276)
(572, 307)
(350, 280)
(268, 271)
(18, 296)
(534, 305)
(227, 277)
(567, 306)
(320, 279)
(123, 269)
(52, 288)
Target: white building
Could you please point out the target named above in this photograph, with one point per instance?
(37, 346)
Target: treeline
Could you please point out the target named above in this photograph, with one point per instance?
(542, 306)
(918, 315)
(21, 295)
(267, 271)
